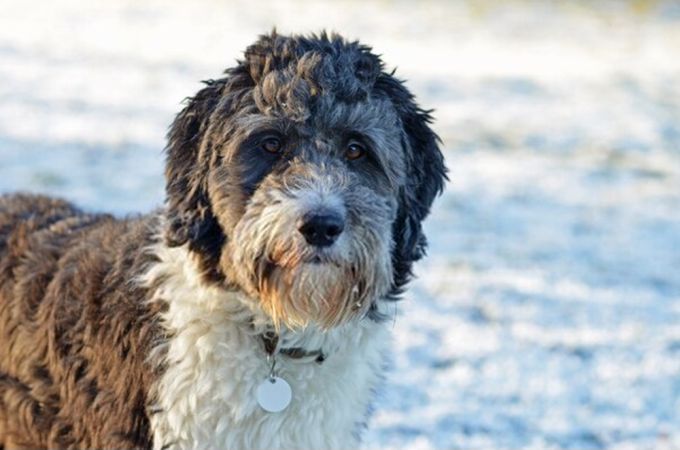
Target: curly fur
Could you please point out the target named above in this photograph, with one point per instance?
(143, 332)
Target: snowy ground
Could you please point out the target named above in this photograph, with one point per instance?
(548, 312)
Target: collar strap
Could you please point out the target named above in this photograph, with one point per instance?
(271, 341)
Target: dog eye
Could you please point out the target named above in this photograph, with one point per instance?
(354, 151)
(271, 145)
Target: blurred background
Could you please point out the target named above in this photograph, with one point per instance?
(548, 312)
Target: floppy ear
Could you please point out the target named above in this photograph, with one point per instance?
(425, 178)
(190, 217)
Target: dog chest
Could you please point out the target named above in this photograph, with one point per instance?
(207, 395)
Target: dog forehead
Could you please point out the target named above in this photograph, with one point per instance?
(326, 101)
(294, 74)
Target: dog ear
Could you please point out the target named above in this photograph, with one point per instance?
(188, 206)
(424, 179)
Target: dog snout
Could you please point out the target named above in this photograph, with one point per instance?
(321, 230)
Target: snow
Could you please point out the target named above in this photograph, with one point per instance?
(547, 314)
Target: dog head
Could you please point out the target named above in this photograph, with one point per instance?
(302, 178)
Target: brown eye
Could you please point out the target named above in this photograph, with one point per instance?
(354, 151)
(272, 145)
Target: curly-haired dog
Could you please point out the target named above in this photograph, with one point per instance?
(249, 313)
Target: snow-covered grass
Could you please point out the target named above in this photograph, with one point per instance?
(548, 312)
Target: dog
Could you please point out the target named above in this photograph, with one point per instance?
(251, 311)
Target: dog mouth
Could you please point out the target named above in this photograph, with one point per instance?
(317, 259)
(321, 256)
(311, 256)
(269, 263)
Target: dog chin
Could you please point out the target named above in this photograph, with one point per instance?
(318, 291)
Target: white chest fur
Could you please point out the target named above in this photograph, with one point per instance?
(206, 397)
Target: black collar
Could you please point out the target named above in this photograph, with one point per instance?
(271, 340)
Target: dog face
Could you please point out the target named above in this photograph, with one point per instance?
(302, 178)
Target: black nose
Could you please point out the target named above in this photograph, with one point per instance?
(321, 229)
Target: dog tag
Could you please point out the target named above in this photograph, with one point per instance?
(274, 394)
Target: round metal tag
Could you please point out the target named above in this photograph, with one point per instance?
(274, 394)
